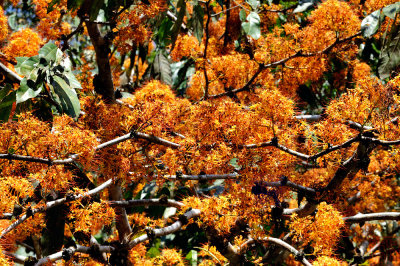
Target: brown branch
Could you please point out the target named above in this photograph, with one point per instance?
(308, 117)
(203, 177)
(306, 190)
(166, 230)
(104, 85)
(205, 96)
(122, 222)
(72, 158)
(9, 74)
(72, 250)
(146, 202)
(381, 142)
(15, 257)
(276, 241)
(53, 204)
(302, 211)
(360, 217)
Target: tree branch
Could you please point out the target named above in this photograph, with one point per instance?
(263, 66)
(360, 217)
(166, 230)
(73, 157)
(53, 204)
(146, 202)
(71, 250)
(203, 177)
(13, 77)
(310, 192)
(278, 242)
(104, 85)
(122, 222)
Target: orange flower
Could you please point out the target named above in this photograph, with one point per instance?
(24, 42)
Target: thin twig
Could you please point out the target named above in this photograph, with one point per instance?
(263, 66)
(205, 96)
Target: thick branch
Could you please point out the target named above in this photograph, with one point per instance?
(350, 167)
(10, 75)
(104, 84)
(359, 218)
(304, 210)
(15, 257)
(71, 251)
(166, 230)
(279, 242)
(306, 190)
(122, 222)
(203, 177)
(146, 202)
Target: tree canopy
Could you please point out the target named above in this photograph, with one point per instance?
(199, 132)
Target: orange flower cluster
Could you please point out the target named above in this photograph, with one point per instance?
(335, 16)
(3, 25)
(24, 42)
(220, 77)
(31, 137)
(51, 26)
(211, 256)
(328, 261)
(186, 46)
(91, 218)
(323, 230)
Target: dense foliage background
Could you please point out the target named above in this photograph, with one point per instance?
(197, 132)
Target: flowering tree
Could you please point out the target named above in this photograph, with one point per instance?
(199, 132)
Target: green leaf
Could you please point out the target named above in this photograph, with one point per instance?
(168, 212)
(162, 34)
(254, 4)
(74, 4)
(154, 251)
(50, 7)
(73, 82)
(26, 65)
(192, 257)
(391, 10)
(371, 23)
(7, 100)
(162, 68)
(25, 92)
(304, 5)
(12, 22)
(178, 23)
(95, 9)
(389, 57)
(51, 53)
(221, 3)
(252, 27)
(4, 91)
(198, 22)
(242, 15)
(65, 95)
(6, 105)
